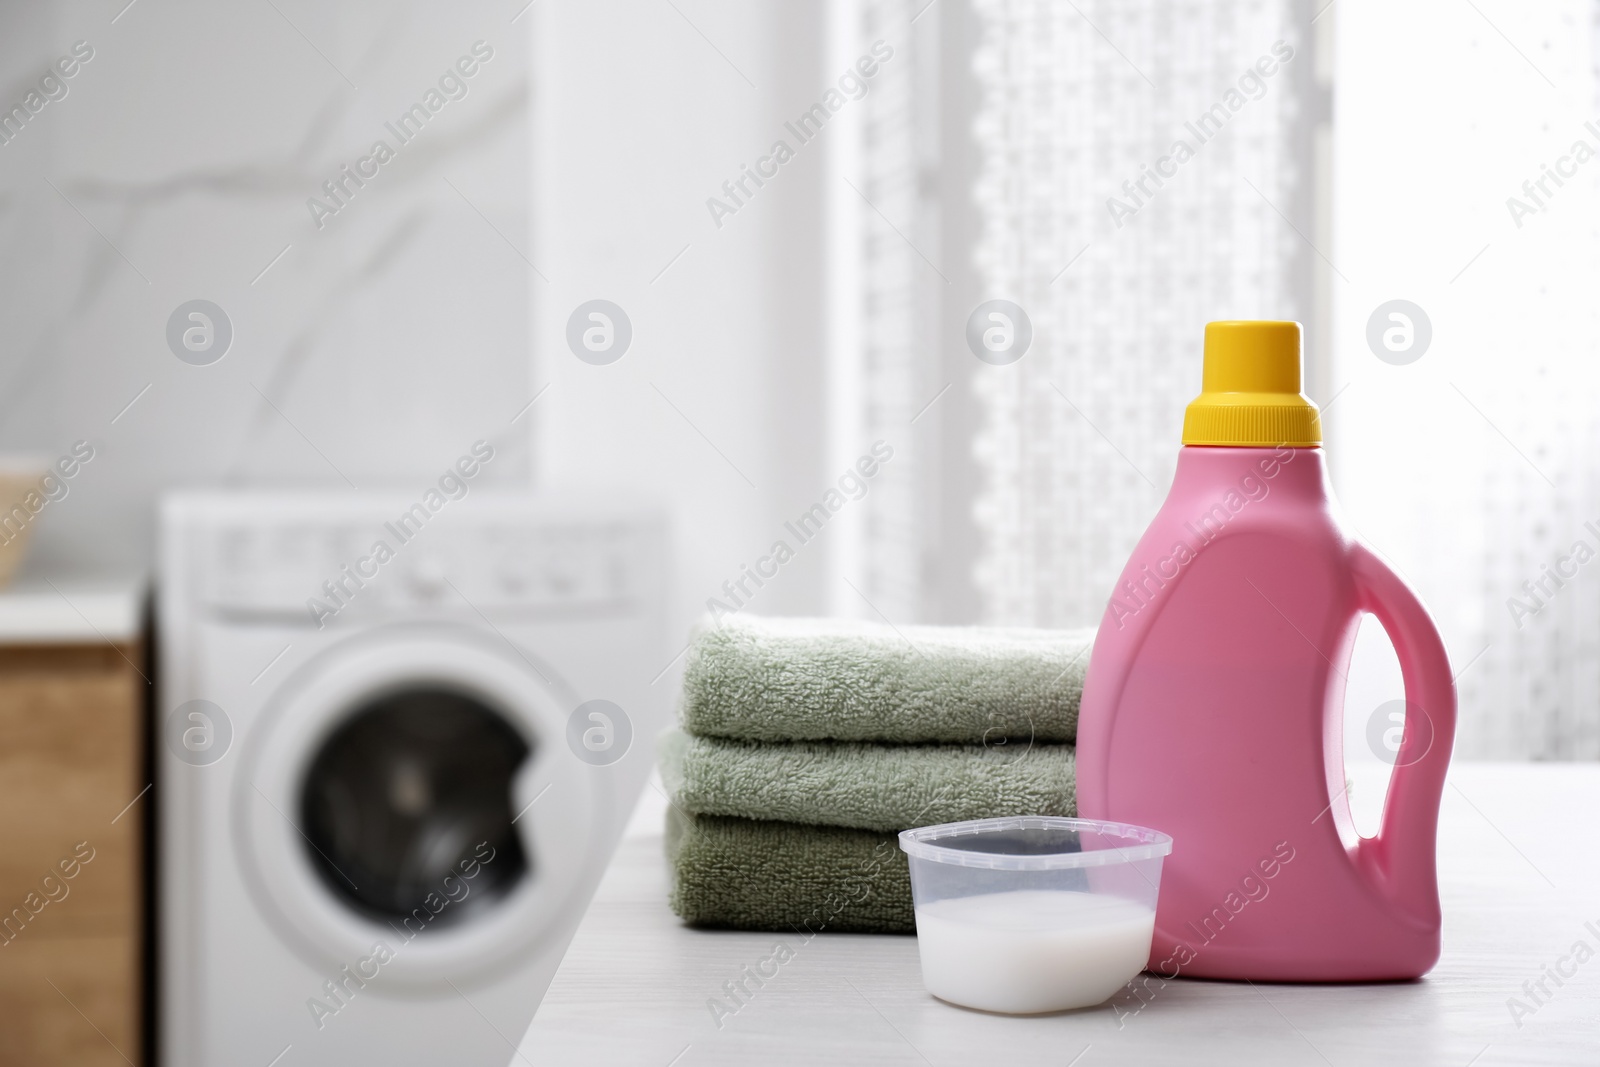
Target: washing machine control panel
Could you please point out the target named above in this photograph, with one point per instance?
(377, 566)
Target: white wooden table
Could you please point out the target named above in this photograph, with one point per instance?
(1519, 864)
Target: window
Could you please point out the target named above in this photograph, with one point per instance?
(1029, 151)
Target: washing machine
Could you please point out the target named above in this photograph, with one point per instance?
(397, 740)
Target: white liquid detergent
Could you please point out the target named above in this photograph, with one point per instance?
(1032, 950)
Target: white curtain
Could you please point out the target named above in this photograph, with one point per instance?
(1475, 468)
(1079, 438)
(890, 286)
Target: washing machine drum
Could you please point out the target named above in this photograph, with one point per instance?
(416, 789)
(406, 795)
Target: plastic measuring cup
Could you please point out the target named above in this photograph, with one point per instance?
(1033, 913)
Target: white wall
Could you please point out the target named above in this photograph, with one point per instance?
(639, 120)
(402, 330)
(389, 340)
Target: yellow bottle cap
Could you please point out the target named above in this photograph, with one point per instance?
(1250, 389)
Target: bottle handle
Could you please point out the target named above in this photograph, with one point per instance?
(1401, 860)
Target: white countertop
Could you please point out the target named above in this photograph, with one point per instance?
(1519, 868)
(38, 609)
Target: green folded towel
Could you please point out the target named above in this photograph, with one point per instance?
(866, 786)
(836, 680)
(749, 875)
(811, 743)
(803, 834)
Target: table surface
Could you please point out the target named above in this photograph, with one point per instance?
(1519, 867)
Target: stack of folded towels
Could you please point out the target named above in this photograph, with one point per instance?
(807, 745)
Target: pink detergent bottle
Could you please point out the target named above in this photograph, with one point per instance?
(1213, 708)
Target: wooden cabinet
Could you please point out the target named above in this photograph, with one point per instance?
(73, 810)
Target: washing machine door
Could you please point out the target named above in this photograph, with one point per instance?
(412, 788)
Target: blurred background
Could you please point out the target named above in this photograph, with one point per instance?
(697, 258)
